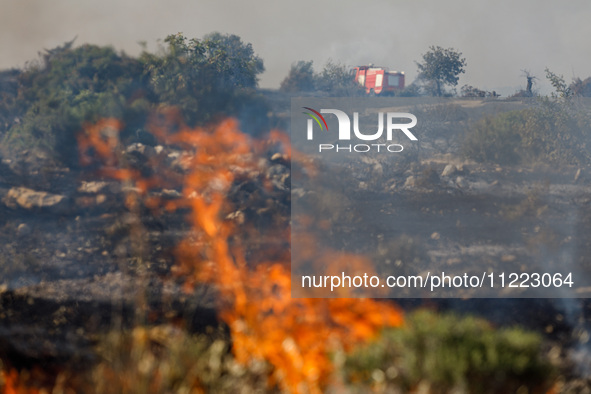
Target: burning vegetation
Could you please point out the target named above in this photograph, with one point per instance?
(295, 336)
(186, 193)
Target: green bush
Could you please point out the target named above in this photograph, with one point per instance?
(70, 87)
(446, 353)
(412, 90)
(300, 78)
(552, 132)
(10, 111)
(494, 139)
(53, 98)
(335, 79)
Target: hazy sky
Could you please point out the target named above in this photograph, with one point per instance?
(498, 38)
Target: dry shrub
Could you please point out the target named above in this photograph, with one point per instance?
(165, 359)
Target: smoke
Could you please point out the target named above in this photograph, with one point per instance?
(498, 39)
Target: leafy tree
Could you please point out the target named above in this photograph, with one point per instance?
(557, 81)
(300, 78)
(336, 79)
(203, 78)
(577, 87)
(441, 67)
(235, 62)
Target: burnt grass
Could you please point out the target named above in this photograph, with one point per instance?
(74, 273)
(69, 275)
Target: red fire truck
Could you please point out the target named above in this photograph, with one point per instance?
(378, 80)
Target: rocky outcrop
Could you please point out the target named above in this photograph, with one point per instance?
(32, 200)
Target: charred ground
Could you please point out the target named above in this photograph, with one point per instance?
(498, 184)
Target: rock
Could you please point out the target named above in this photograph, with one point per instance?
(280, 176)
(145, 150)
(171, 194)
(461, 182)
(298, 192)
(91, 187)
(237, 216)
(449, 170)
(174, 155)
(138, 157)
(25, 198)
(280, 158)
(131, 189)
(23, 230)
(376, 168)
(411, 181)
(178, 161)
(86, 202)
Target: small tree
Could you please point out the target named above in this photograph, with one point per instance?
(236, 62)
(300, 78)
(203, 78)
(562, 89)
(336, 79)
(441, 67)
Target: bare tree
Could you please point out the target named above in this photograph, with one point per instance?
(530, 82)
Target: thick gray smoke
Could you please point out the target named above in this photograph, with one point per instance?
(498, 38)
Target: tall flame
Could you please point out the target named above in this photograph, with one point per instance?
(294, 335)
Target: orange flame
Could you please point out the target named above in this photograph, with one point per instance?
(294, 335)
(15, 384)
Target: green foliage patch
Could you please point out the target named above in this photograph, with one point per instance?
(447, 353)
(208, 78)
(335, 79)
(440, 67)
(552, 132)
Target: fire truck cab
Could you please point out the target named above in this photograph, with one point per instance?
(378, 80)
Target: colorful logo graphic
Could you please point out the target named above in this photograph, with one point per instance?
(315, 116)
